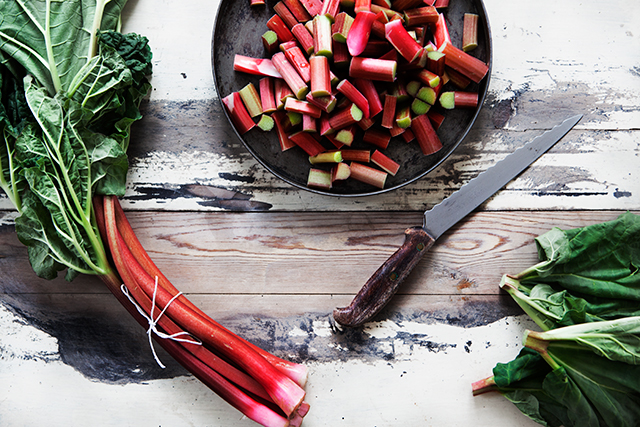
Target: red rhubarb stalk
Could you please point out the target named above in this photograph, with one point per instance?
(368, 175)
(283, 136)
(359, 32)
(304, 37)
(330, 8)
(257, 66)
(238, 113)
(325, 103)
(421, 16)
(389, 111)
(469, 32)
(312, 6)
(285, 14)
(356, 155)
(320, 80)
(308, 143)
(346, 88)
(345, 117)
(427, 137)
(441, 31)
(378, 137)
(277, 25)
(302, 107)
(373, 69)
(322, 36)
(267, 98)
(290, 75)
(341, 27)
(299, 61)
(362, 6)
(298, 10)
(384, 162)
(401, 40)
(464, 63)
(251, 99)
(368, 89)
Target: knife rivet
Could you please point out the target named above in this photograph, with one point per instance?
(393, 276)
(420, 247)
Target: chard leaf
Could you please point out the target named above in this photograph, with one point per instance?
(54, 39)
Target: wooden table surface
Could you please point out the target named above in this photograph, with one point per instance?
(271, 261)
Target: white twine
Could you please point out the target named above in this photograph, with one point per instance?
(153, 322)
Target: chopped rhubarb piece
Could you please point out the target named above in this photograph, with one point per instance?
(359, 32)
(441, 31)
(419, 107)
(308, 143)
(435, 62)
(313, 6)
(256, 2)
(267, 98)
(284, 46)
(294, 118)
(251, 99)
(281, 92)
(368, 175)
(302, 107)
(346, 135)
(389, 111)
(341, 57)
(401, 5)
(309, 123)
(290, 75)
(376, 49)
(436, 118)
(469, 32)
(357, 155)
(401, 40)
(420, 16)
(326, 157)
(408, 135)
(277, 25)
(332, 139)
(412, 87)
(427, 137)
(256, 66)
(429, 78)
(427, 94)
(456, 78)
(403, 117)
(346, 88)
(373, 69)
(464, 63)
(319, 178)
(322, 36)
(340, 172)
(298, 10)
(366, 123)
(368, 89)
(265, 123)
(441, 4)
(377, 28)
(299, 61)
(384, 162)
(379, 138)
(285, 14)
(383, 3)
(330, 8)
(325, 103)
(320, 81)
(270, 42)
(341, 27)
(345, 117)
(396, 130)
(304, 37)
(391, 14)
(238, 113)
(362, 6)
(458, 99)
(399, 90)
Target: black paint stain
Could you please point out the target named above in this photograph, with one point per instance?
(618, 194)
(103, 351)
(236, 177)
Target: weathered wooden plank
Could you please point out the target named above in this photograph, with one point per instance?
(314, 253)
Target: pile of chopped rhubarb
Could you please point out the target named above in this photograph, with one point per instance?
(339, 71)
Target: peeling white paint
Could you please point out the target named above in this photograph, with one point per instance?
(431, 386)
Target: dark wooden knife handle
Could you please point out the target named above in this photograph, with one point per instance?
(384, 283)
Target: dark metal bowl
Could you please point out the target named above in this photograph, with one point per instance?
(238, 30)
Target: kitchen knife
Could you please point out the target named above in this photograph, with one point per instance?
(384, 283)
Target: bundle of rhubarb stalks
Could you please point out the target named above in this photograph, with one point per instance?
(340, 71)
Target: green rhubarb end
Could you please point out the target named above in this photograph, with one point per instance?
(266, 123)
(356, 113)
(447, 100)
(419, 107)
(327, 157)
(413, 87)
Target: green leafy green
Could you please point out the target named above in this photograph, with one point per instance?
(71, 89)
(583, 369)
